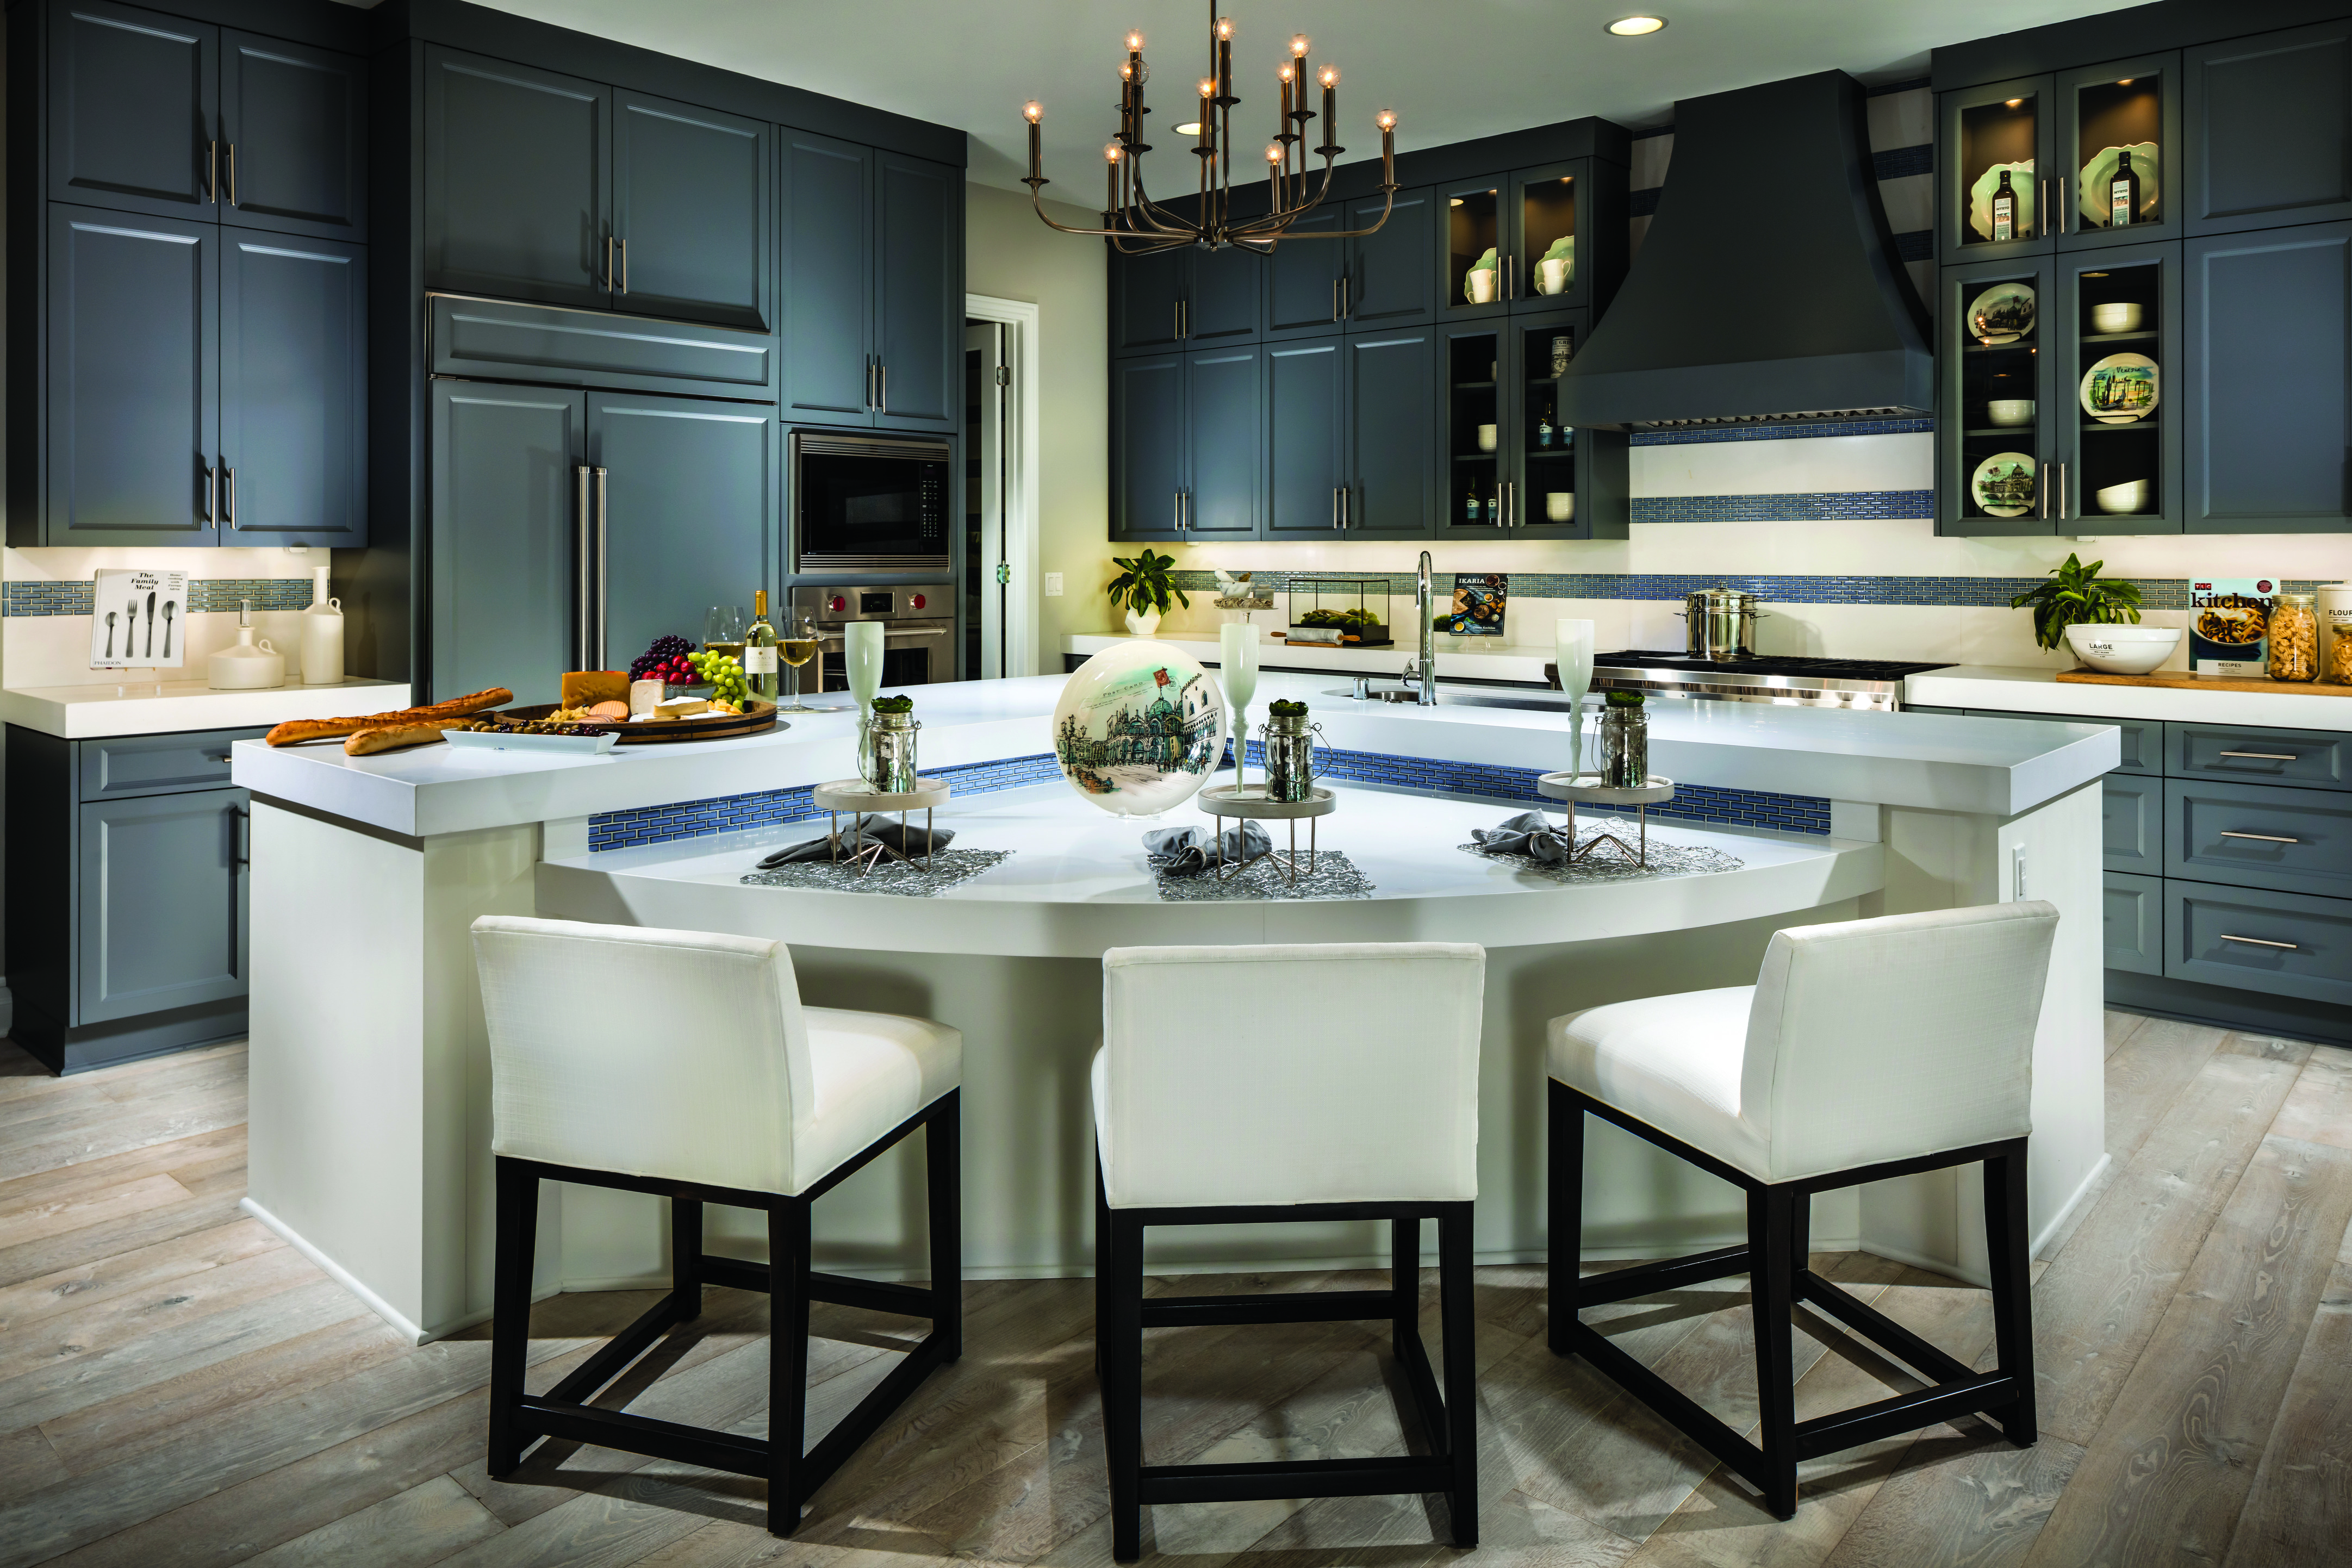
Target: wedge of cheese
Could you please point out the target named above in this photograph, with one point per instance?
(587, 688)
(680, 708)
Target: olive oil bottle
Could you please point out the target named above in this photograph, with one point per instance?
(2123, 192)
(2004, 210)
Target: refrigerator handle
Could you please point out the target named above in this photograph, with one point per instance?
(604, 602)
(583, 566)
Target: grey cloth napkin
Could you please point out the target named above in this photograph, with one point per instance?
(907, 840)
(1189, 851)
(1527, 834)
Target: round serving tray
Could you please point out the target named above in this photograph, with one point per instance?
(1572, 786)
(856, 794)
(1225, 800)
(760, 718)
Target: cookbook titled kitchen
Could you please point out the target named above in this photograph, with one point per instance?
(139, 621)
(2229, 626)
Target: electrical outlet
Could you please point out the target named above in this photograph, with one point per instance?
(1053, 585)
(2017, 869)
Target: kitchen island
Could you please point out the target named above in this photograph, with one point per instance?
(369, 1127)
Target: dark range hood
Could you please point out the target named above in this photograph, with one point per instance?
(1768, 285)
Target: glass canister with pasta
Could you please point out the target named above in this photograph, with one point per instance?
(2294, 638)
(2335, 633)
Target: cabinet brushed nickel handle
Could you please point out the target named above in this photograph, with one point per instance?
(211, 172)
(881, 386)
(212, 493)
(241, 837)
(2041, 195)
(2258, 837)
(1176, 499)
(228, 496)
(2265, 756)
(1335, 298)
(1334, 506)
(603, 595)
(1185, 319)
(585, 549)
(217, 756)
(623, 246)
(228, 156)
(1347, 507)
(1346, 296)
(2259, 941)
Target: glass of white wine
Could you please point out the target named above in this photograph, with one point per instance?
(797, 647)
(722, 631)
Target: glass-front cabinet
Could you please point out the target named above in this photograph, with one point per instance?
(1474, 424)
(1512, 467)
(1992, 170)
(1532, 241)
(2118, 132)
(1997, 449)
(1474, 245)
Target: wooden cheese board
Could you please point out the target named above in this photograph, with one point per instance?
(758, 718)
(2181, 681)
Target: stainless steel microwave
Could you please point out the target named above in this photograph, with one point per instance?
(869, 503)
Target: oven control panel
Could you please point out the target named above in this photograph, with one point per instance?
(835, 607)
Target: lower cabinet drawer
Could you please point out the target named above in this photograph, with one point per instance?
(2132, 823)
(157, 764)
(2290, 944)
(2294, 840)
(2316, 759)
(2134, 923)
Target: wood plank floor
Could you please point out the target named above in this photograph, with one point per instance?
(178, 1389)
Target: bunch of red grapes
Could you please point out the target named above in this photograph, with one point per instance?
(665, 661)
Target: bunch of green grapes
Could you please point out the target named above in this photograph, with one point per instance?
(723, 675)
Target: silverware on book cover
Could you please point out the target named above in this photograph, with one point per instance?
(169, 607)
(110, 634)
(151, 623)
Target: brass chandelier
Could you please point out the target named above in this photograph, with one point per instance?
(1135, 224)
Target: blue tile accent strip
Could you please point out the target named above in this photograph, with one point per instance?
(1916, 245)
(1782, 430)
(1806, 506)
(765, 808)
(1642, 202)
(1897, 162)
(1981, 593)
(206, 595)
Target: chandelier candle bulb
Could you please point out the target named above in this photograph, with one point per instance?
(1385, 119)
(1330, 79)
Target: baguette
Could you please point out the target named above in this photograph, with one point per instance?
(392, 737)
(294, 732)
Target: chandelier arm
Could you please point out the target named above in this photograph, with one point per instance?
(1114, 235)
(1278, 222)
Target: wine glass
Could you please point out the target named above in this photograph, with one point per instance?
(796, 647)
(722, 631)
(1572, 647)
(1237, 641)
(861, 660)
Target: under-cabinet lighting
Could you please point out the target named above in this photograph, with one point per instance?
(2013, 103)
(1635, 26)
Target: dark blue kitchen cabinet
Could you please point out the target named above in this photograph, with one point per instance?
(1306, 276)
(2267, 397)
(160, 922)
(1307, 437)
(692, 213)
(134, 108)
(2132, 824)
(133, 412)
(2269, 138)
(1221, 294)
(1390, 275)
(512, 515)
(1224, 420)
(1147, 448)
(1184, 297)
(293, 123)
(2131, 932)
(917, 294)
(687, 516)
(293, 391)
(1392, 457)
(517, 181)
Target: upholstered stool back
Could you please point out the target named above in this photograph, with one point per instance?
(1881, 1040)
(1339, 1073)
(677, 1054)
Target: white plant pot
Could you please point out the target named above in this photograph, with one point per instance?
(1143, 623)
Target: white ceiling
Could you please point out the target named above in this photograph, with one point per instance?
(1451, 68)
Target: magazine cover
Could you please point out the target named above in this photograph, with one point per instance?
(2229, 626)
(1478, 600)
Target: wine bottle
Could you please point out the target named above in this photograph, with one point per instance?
(2123, 192)
(1543, 427)
(759, 651)
(1470, 506)
(2004, 209)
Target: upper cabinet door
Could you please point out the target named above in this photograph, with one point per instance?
(293, 388)
(2269, 136)
(918, 294)
(1148, 300)
(1223, 393)
(1147, 448)
(691, 195)
(1545, 270)
(516, 190)
(1391, 271)
(1307, 437)
(1988, 135)
(1472, 244)
(132, 406)
(2118, 152)
(2003, 424)
(2114, 339)
(2268, 393)
(134, 109)
(1220, 302)
(293, 138)
(1304, 277)
(1392, 446)
(827, 297)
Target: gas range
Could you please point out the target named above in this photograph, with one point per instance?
(1866, 683)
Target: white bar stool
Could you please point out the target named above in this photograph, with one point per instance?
(1865, 1049)
(682, 1063)
(1197, 1124)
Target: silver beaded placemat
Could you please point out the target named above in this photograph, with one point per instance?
(1334, 876)
(1667, 859)
(948, 867)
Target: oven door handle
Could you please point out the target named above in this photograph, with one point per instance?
(889, 633)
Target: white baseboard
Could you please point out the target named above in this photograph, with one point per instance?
(2081, 1196)
(1944, 1266)
(349, 1281)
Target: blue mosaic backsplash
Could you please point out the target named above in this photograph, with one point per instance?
(767, 809)
(206, 595)
(1971, 593)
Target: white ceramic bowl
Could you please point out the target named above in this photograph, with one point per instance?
(2010, 411)
(2128, 497)
(2122, 650)
(2116, 316)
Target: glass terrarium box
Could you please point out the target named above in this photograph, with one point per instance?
(1339, 610)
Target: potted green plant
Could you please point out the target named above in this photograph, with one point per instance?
(1142, 590)
(2074, 596)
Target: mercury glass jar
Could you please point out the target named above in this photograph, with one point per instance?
(2294, 638)
(1289, 741)
(1624, 747)
(887, 761)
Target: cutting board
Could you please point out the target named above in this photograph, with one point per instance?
(2199, 683)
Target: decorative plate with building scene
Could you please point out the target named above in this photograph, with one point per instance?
(2002, 314)
(2003, 484)
(1140, 728)
(2119, 389)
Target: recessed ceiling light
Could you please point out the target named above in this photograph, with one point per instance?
(1190, 128)
(1635, 27)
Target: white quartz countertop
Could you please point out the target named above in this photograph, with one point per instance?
(1991, 766)
(90, 711)
(2012, 690)
(1457, 659)
(1077, 882)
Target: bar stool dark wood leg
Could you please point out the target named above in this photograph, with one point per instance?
(1123, 1388)
(2011, 1256)
(1564, 1206)
(1405, 1282)
(1773, 1296)
(686, 1258)
(518, 1234)
(943, 1167)
(788, 1320)
(1458, 1313)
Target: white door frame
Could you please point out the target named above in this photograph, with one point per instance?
(1020, 320)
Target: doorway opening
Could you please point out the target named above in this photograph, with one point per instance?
(998, 613)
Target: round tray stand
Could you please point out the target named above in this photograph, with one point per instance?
(856, 797)
(1251, 805)
(1573, 788)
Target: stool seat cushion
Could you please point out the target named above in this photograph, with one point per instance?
(873, 1070)
(1671, 1061)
